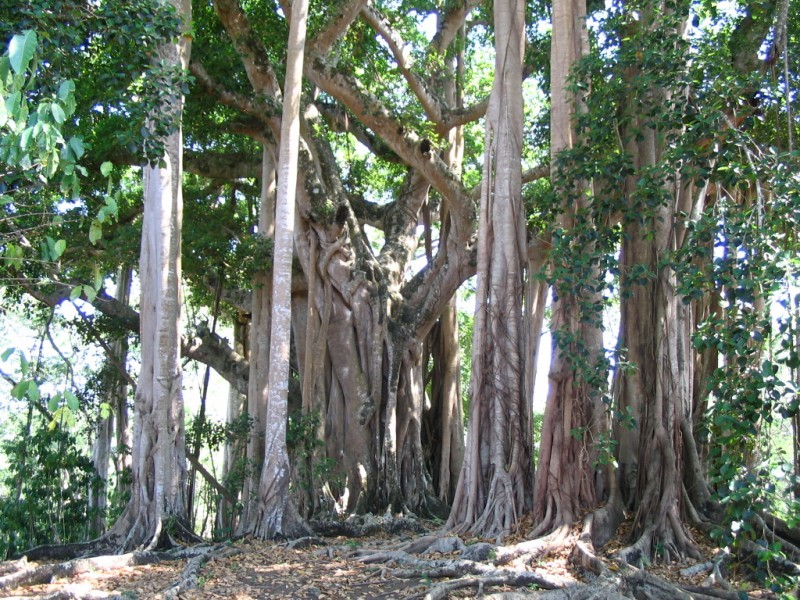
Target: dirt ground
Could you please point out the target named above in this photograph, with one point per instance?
(326, 568)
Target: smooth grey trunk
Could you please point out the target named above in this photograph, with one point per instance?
(260, 331)
(108, 428)
(158, 491)
(235, 450)
(275, 514)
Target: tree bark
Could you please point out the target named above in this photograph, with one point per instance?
(260, 332)
(655, 330)
(115, 426)
(494, 488)
(275, 514)
(236, 448)
(574, 419)
(158, 491)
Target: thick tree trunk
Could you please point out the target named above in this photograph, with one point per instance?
(444, 421)
(655, 329)
(158, 491)
(574, 420)
(494, 488)
(443, 429)
(275, 514)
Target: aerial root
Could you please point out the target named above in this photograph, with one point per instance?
(23, 573)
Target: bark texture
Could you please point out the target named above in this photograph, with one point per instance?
(260, 331)
(157, 508)
(574, 416)
(655, 329)
(275, 514)
(494, 489)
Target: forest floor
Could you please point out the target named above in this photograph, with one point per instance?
(339, 567)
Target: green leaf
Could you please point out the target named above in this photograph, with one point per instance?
(90, 292)
(13, 104)
(18, 391)
(6, 354)
(72, 400)
(76, 145)
(52, 404)
(33, 391)
(75, 293)
(105, 410)
(58, 113)
(25, 138)
(23, 364)
(58, 249)
(21, 50)
(111, 206)
(66, 89)
(95, 231)
(3, 114)
(106, 168)
(98, 277)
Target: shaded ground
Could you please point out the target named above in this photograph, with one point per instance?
(325, 568)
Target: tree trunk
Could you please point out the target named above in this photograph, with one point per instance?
(275, 514)
(655, 329)
(443, 430)
(260, 332)
(122, 427)
(235, 448)
(109, 427)
(158, 491)
(494, 488)
(575, 417)
(444, 420)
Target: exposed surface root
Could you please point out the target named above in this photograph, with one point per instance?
(24, 573)
(533, 550)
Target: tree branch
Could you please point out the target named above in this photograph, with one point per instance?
(250, 49)
(337, 26)
(264, 111)
(414, 151)
(451, 23)
(402, 56)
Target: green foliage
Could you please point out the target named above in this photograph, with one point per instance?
(311, 468)
(32, 147)
(45, 491)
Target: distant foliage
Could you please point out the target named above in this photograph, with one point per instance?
(45, 491)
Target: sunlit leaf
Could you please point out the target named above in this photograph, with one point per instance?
(21, 50)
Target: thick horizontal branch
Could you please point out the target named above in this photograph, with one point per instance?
(207, 348)
(339, 121)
